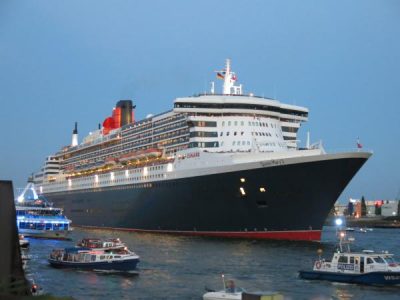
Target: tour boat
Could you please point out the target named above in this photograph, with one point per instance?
(36, 217)
(365, 267)
(116, 259)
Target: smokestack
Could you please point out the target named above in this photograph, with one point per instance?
(126, 108)
(75, 136)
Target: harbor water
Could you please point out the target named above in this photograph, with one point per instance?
(176, 267)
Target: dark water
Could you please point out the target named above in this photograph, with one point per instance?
(174, 267)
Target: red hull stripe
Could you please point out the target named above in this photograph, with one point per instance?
(298, 235)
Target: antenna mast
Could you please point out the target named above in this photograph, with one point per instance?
(229, 77)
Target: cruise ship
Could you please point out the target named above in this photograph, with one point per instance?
(217, 164)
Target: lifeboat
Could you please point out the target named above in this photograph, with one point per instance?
(141, 154)
(110, 161)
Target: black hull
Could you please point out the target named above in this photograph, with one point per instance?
(297, 198)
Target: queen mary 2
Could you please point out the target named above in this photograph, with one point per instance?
(225, 165)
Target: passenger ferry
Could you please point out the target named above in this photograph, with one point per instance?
(36, 217)
(223, 164)
(109, 259)
(365, 267)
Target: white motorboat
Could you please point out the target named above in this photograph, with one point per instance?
(231, 292)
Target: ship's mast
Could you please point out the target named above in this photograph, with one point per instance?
(227, 80)
(228, 87)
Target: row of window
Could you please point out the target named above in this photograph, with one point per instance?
(168, 183)
(202, 124)
(250, 123)
(237, 143)
(203, 145)
(345, 260)
(43, 226)
(203, 134)
(253, 133)
(242, 106)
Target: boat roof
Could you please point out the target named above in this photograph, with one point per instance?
(366, 253)
(76, 249)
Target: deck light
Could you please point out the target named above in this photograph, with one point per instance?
(262, 190)
(242, 180)
(338, 222)
(242, 191)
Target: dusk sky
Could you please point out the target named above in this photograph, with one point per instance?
(67, 61)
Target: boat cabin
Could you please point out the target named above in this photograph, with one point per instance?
(358, 262)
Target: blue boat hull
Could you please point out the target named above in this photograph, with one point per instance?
(125, 265)
(372, 278)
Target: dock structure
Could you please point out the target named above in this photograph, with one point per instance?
(13, 283)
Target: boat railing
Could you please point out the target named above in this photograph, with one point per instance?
(345, 150)
(45, 217)
(376, 267)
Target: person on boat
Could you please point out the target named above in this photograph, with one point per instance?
(230, 286)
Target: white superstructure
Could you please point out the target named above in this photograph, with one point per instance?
(232, 125)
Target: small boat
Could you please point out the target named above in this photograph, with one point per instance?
(23, 243)
(365, 230)
(350, 229)
(365, 267)
(109, 259)
(231, 292)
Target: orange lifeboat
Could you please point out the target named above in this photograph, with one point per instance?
(137, 155)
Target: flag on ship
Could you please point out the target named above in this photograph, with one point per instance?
(220, 76)
(359, 145)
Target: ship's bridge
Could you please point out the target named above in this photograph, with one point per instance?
(233, 106)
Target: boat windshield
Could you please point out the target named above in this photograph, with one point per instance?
(390, 260)
(379, 260)
(234, 290)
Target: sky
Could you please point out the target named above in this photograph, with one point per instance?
(67, 61)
